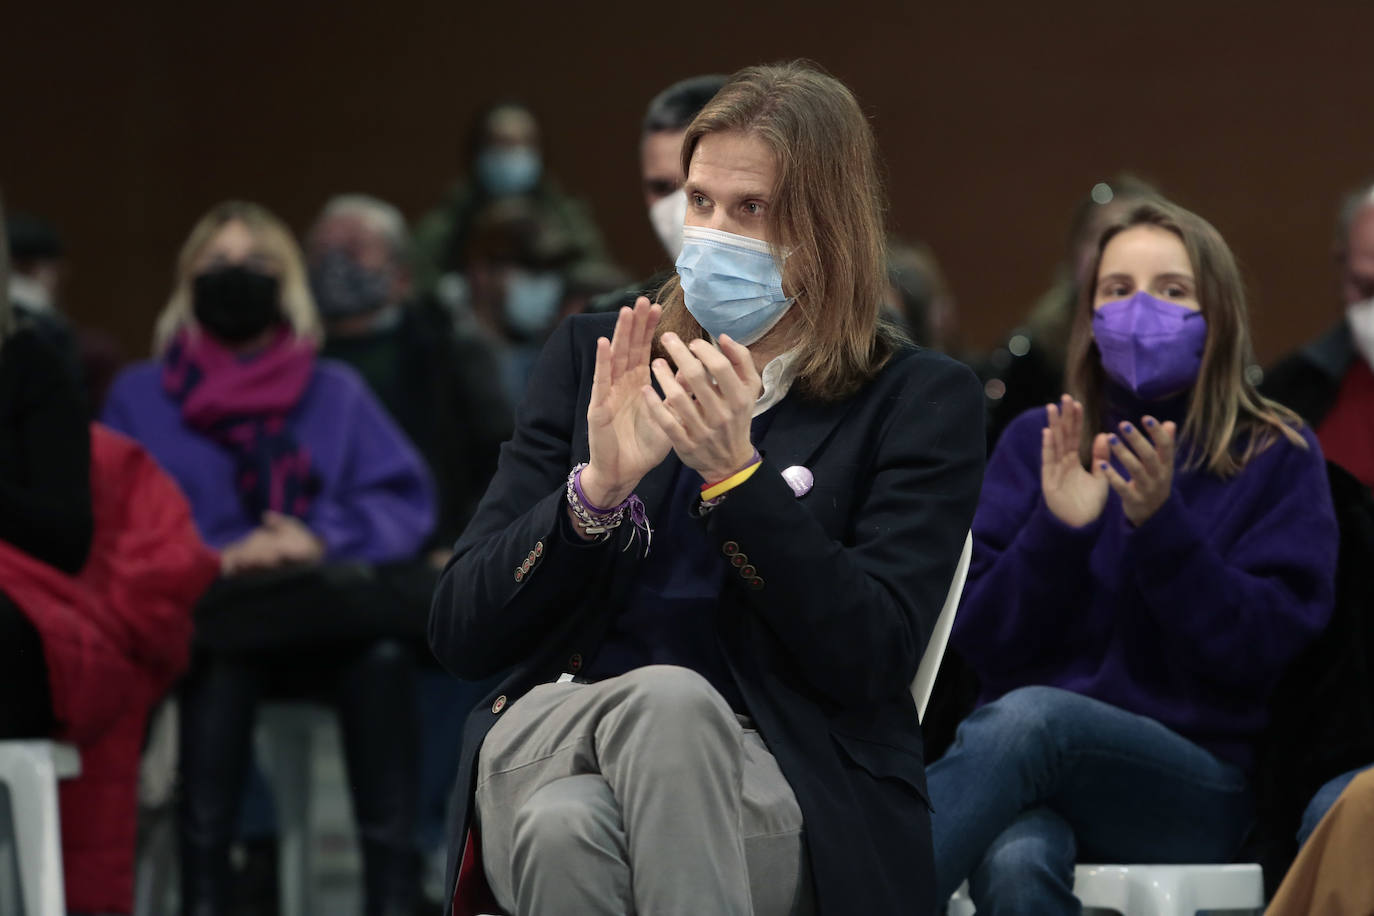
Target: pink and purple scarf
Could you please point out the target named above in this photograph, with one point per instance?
(243, 403)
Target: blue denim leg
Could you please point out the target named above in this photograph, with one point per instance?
(1131, 789)
(1028, 869)
(1322, 801)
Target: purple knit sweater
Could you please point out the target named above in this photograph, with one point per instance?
(1188, 619)
(376, 501)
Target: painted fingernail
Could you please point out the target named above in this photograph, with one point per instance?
(1126, 428)
(1113, 440)
(1102, 466)
(1149, 421)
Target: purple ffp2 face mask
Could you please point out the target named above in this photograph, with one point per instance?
(1151, 346)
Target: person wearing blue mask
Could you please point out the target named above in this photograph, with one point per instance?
(506, 163)
(712, 556)
(1150, 554)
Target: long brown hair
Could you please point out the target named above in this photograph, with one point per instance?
(827, 212)
(1228, 422)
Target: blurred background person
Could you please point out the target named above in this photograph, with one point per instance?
(661, 177)
(1028, 370)
(302, 481)
(443, 388)
(37, 268)
(918, 297)
(1329, 381)
(523, 276)
(99, 567)
(506, 162)
(1324, 710)
(440, 386)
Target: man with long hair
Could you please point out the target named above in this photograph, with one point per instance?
(713, 555)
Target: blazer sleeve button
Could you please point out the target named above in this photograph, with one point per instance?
(730, 548)
(575, 663)
(749, 572)
(499, 705)
(756, 583)
(538, 548)
(738, 560)
(519, 574)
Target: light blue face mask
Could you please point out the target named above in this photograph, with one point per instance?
(731, 284)
(509, 170)
(532, 301)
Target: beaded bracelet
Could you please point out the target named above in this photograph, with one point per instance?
(601, 522)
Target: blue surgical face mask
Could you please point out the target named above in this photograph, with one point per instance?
(731, 284)
(504, 171)
(532, 301)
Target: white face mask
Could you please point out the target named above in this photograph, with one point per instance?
(1360, 317)
(668, 214)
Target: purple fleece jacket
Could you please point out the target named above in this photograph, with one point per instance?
(376, 501)
(1189, 619)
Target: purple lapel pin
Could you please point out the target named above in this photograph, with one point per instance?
(800, 479)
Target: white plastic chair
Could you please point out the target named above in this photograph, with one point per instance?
(939, 637)
(1156, 890)
(30, 771)
(288, 733)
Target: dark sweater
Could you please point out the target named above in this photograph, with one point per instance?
(45, 455)
(1189, 619)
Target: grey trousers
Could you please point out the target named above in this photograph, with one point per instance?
(643, 794)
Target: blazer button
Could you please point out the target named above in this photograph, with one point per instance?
(738, 560)
(730, 548)
(525, 566)
(499, 705)
(756, 583)
(749, 572)
(575, 663)
(538, 548)
(519, 574)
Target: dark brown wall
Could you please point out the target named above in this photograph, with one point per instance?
(123, 126)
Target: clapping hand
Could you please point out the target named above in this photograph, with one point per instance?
(1149, 461)
(625, 441)
(707, 406)
(1075, 495)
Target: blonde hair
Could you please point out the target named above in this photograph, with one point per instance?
(827, 212)
(1228, 421)
(297, 304)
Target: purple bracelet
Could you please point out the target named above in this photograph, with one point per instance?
(598, 521)
(587, 503)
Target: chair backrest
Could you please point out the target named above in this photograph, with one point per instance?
(939, 637)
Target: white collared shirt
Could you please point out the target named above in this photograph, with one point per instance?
(778, 376)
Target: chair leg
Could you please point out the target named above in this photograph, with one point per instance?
(291, 744)
(27, 768)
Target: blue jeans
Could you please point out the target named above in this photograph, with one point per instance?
(1322, 801)
(1042, 775)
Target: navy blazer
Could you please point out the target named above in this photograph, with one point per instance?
(823, 638)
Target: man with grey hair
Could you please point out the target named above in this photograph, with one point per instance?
(443, 388)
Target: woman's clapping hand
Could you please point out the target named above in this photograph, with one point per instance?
(1074, 494)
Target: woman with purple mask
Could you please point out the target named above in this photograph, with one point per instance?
(1149, 554)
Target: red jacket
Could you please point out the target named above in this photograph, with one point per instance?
(115, 637)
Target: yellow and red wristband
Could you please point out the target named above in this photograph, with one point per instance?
(711, 491)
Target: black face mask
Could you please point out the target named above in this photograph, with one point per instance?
(236, 304)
